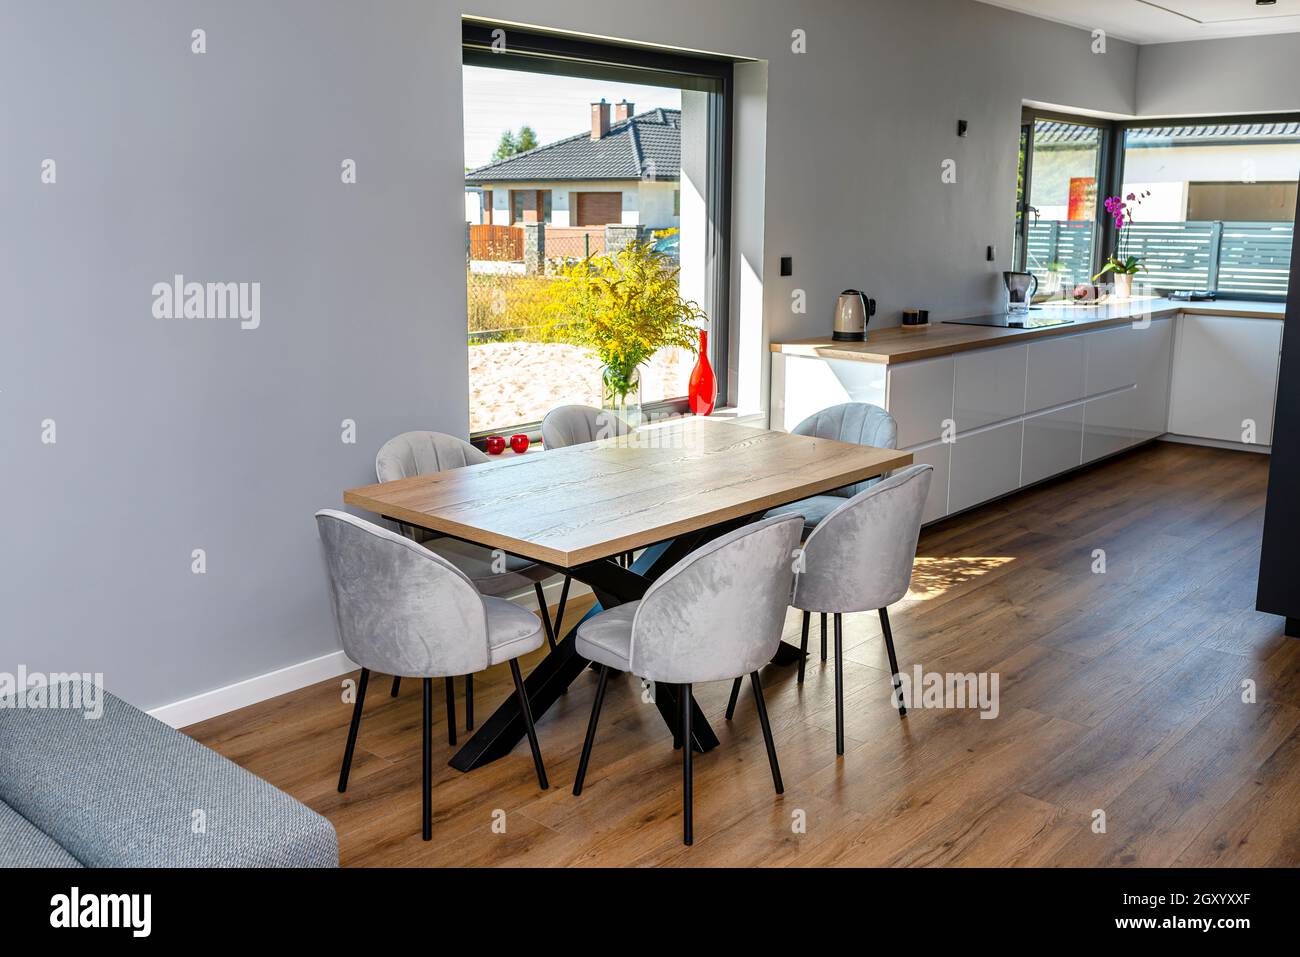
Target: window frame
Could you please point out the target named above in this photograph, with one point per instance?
(1103, 228)
(540, 50)
(1110, 175)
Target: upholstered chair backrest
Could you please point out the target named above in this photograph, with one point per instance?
(860, 556)
(419, 453)
(720, 611)
(858, 422)
(400, 609)
(577, 424)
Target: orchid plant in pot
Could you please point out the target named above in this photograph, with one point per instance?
(625, 308)
(1123, 267)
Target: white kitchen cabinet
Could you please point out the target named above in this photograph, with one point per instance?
(985, 464)
(1055, 372)
(1108, 424)
(1225, 377)
(1053, 443)
(1155, 345)
(939, 454)
(802, 386)
(989, 386)
(1112, 359)
(920, 399)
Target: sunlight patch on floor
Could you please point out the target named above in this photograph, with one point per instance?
(931, 577)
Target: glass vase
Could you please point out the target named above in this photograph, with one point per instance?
(620, 394)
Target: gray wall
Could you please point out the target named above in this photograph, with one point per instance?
(182, 434)
(1240, 75)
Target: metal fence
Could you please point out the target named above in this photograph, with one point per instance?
(1242, 258)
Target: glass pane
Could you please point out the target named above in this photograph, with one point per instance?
(1213, 205)
(1062, 204)
(519, 367)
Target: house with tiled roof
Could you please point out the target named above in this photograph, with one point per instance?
(625, 170)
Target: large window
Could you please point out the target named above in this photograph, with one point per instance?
(577, 149)
(1216, 204)
(1212, 202)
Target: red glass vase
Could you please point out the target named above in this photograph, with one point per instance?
(702, 392)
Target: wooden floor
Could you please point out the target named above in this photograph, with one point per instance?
(1120, 692)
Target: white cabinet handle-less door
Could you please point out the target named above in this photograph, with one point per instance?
(1225, 378)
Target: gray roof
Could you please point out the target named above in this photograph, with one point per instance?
(1050, 132)
(647, 146)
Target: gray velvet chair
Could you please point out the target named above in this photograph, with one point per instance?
(860, 423)
(567, 425)
(405, 610)
(421, 453)
(860, 558)
(716, 614)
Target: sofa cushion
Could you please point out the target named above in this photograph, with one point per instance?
(22, 844)
(126, 790)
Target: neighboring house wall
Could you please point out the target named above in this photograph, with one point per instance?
(656, 205)
(633, 202)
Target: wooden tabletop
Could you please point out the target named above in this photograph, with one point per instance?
(888, 346)
(586, 502)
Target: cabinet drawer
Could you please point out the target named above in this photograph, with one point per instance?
(940, 456)
(1053, 443)
(1108, 424)
(1112, 359)
(1055, 371)
(984, 465)
(920, 399)
(989, 386)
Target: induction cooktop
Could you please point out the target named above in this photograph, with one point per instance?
(1017, 321)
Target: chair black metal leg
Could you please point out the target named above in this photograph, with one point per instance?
(894, 679)
(839, 685)
(823, 636)
(451, 710)
(559, 609)
(677, 716)
(427, 805)
(591, 730)
(761, 704)
(397, 683)
(731, 703)
(688, 831)
(527, 713)
(353, 728)
(803, 644)
(469, 702)
(546, 614)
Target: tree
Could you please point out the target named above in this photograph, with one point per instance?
(512, 144)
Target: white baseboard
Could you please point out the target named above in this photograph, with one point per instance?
(1216, 443)
(241, 694)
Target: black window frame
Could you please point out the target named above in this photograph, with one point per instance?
(541, 51)
(1110, 176)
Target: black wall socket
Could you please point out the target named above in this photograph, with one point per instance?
(787, 265)
(961, 127)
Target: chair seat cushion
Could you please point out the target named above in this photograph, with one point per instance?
(512, 630)
(476, 562)
(813, 509)
(23, 844)
(606, 638)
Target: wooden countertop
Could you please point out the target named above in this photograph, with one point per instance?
(898, 345)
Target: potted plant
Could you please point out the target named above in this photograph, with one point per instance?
(1123, 267)
(625, 307)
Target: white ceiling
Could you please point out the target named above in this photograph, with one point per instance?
(1163, 21)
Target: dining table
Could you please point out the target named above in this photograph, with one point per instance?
(659, 492)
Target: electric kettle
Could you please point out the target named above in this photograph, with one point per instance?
(853, 310)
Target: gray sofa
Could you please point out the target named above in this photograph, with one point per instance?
(126, 790)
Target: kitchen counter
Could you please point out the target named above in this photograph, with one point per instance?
(895, 345)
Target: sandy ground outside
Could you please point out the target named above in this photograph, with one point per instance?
(514, 382)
